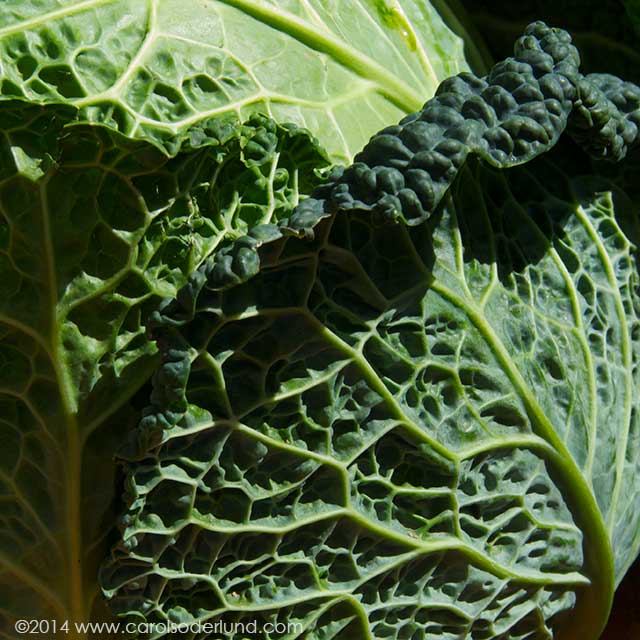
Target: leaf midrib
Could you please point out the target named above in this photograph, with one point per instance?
(73, 469)
(396, 91)
(599, 556)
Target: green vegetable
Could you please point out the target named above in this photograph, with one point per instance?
(382, 429)
(152, 69)
(123, 166)
(95, 230)
(604, 32)
(517, 112)
(403, 407)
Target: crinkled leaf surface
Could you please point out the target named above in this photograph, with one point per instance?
(394, 432)
(150, 68)
(94, 230)
(605, 32)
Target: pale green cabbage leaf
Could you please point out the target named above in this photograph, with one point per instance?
(152, 68)
(410, 410)
(387, 431)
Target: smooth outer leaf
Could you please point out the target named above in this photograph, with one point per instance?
(400, 430)
(153, 68)
(95, 230)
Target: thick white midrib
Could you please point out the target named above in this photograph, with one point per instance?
(386, 83)
(73, 580)
(393, 88)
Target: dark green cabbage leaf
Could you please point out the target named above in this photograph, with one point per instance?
(95, 230)
(377, 424)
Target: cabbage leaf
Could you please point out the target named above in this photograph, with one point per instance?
(411, 409)
(95, 229)
(153, 68)
(397, 431)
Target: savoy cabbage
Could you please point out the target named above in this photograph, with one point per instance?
(403, 407)
(154, 68)
(123, 166)
(410, 410)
